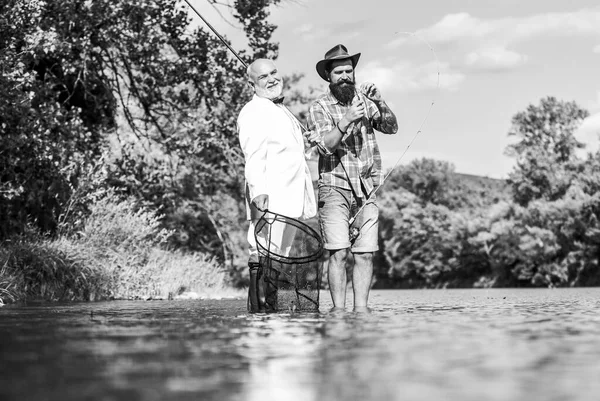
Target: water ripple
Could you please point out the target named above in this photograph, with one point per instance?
(413, 345)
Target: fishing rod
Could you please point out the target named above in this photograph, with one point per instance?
(217, 33)
(222, 39)
(353, 218)
(355, 230)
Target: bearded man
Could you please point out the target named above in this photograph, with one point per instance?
(277, 176)
(350, 171)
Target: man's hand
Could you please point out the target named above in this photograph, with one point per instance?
(370, 90)
(354, 113)
(312, 137)
(261, 202)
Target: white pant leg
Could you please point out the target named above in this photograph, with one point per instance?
(282, 237)
(277, 238)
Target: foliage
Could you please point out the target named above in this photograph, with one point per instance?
(546, 238)
(436, 182)
(47, 131)
(427, 245)
(129, 88)
(37, 268)
(429, 179)
(548, 244)
(116, 255)
(545, 151)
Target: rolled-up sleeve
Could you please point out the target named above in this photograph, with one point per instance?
(320, 123)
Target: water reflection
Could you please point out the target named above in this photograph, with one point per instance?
(414, 345)
(282, 352)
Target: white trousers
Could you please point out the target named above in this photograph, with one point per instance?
(276, 238)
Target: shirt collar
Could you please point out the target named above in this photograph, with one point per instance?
(332, 99)
(264, 99)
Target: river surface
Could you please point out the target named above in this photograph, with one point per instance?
(500, 344)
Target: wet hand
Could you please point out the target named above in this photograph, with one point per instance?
(370, 90)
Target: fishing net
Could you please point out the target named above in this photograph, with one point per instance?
(289, 272)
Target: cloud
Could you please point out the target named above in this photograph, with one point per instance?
(488, 44)
(308, 32)
(494, 58)
(408, 77)
(589, 133)
(462, 27)
(596, 49)
(589, 130)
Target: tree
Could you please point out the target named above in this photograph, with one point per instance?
(131, 80)
(545, 152)
(429, 179)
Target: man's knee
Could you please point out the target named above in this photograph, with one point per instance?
(338, 255)
(363, 258)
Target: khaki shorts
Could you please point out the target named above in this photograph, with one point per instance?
(336, 206)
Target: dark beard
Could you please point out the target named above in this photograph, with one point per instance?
(343, 91)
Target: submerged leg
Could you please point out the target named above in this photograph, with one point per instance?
(336, 274)
(362, 275)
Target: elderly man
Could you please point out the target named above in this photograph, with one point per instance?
(350, 171)
(277, 176)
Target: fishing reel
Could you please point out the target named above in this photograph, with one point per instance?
(354, 233)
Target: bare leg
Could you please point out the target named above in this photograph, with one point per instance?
(362, 275)
(336, 272)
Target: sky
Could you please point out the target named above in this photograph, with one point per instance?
(454, 72)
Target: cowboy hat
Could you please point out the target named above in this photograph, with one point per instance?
(338, 52)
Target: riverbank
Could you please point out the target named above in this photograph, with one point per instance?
(119, 252)
(65, 270)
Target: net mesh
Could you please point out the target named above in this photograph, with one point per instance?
(290, 266)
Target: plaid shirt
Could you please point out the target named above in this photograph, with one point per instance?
(360, 167)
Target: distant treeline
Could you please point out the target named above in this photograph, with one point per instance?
(537, 228)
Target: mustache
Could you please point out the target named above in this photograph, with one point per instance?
(344, 82)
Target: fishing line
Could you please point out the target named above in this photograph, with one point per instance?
(303, 128)
(419, 130)
(217, 33)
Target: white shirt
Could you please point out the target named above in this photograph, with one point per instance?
(273, 146)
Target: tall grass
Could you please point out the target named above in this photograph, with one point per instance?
(117, 253)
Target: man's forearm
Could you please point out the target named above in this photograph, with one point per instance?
(388, 123)
(332, 139)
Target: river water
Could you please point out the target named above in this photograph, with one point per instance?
(500, 344)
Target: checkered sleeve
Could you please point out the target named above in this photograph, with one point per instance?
(319, 122)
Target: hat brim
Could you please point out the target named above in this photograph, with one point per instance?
(321, 65)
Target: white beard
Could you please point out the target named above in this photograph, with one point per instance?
(270, 93)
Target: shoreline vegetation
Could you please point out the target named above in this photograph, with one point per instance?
(119, 253)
